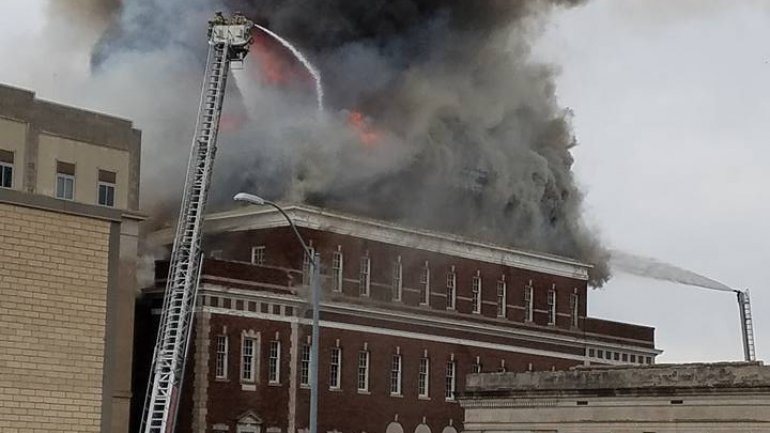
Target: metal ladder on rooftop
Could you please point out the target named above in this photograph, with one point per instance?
(229, 41)
(747, 328)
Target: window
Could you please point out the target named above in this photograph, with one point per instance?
(221, 360)
(477, 366)
(258, 255)
(364, 275)
(425, 284)
(574, 306)
(106, 188)
(529, 302)
(337, 260)
(395, 375)
(396, 282)
(6, 169)
(304, 366)
(600, 354)
(552, 307)
(363, 371)
(632, 358)
(624, 357)
(307, 266)
(591, 353)
(451, 382)
(274, 362)
(423, 378)
(451, 286)
(335, 370)
(476, 293)
(65, 180)
(501, 297)
(248, 362)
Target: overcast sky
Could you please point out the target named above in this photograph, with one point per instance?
(671, 106)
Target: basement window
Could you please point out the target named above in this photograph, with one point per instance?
(65, 180)
(6, 169)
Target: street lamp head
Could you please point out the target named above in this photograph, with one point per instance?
(250, 198)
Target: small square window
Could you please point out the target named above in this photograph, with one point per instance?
(258, 255)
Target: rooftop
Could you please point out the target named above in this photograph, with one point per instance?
(601, 381)
(310, 217)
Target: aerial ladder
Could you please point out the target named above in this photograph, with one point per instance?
(229, 41)
(747, 325)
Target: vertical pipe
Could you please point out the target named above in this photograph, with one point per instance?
(316, 289)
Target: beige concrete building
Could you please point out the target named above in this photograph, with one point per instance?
(69, 193)
(685, 398)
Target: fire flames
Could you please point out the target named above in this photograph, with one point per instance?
(360, 124)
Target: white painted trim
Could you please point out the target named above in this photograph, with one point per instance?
(435, 321)
(253, 218)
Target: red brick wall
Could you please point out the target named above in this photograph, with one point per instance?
(284, 252)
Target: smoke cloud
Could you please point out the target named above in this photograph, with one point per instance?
(436, 116)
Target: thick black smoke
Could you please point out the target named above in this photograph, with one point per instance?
(470, 138)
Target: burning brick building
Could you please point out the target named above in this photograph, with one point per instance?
(406, 314)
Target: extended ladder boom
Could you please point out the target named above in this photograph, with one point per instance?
(747, 325)
(229, 40)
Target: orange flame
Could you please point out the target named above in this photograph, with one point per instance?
(366, 133)
(272, 68)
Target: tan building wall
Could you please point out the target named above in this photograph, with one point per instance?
(40, 133)
(13, 136)
(53, 298)
(88, 160)
(687, 398)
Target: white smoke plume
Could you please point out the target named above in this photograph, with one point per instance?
(437, 115)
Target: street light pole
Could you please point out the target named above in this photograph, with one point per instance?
(315, 288)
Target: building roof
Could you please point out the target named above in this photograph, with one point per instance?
(602, 381)
(310, 217)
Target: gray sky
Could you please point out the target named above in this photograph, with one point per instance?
(671, 105)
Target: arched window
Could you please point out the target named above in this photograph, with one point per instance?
(422, 428)
(394, 427)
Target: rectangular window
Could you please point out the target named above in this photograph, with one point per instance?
(364, 276)
(632, 358)
(451, 382)
(451, 289)
(423, 378)
(65, 180)
(337, 261)
(395, 375)
(248, 363)
(396, 282)
(476, 294)
(574, 305)
(221, 361)
(274, 362)
(304, 367)
(6, 169)
(258, 255)
(363, 371)
(106, 188)
(335, 368)
(501, 298)
(552, 307)
(425, 284)
(529, 302)
(307, 267)
(477, 367)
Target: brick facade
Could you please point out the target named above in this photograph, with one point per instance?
(269, 301)
(53, 298)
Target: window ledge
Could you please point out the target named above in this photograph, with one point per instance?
(362, 392)
(221, 379)
(274, 384)
(303, 386)
(423, 397)
(248, 387)
(397, 395)
(450, 400)
(335, 389)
